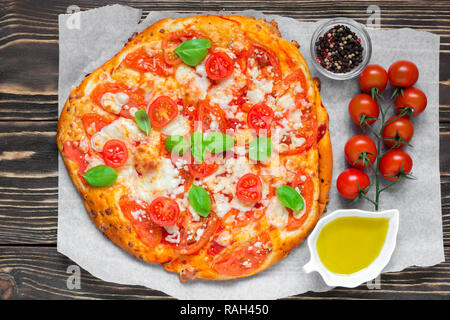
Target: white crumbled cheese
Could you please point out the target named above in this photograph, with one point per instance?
(178, 126)
(173, 234)
(138, 213)
(297, 142)
(224, 238)
(181, 164)
(286, 102)
(255, 96)
(199, 233)
(247, 263)
(197, 84)
(276, 213)
(121, 129)
(264, 84)
(113, 102)
(298, 88)
(200, 68)
(223, 206)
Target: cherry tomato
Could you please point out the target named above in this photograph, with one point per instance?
(93, 122)
(164, 211)
(348, 181)
(401, 127)
(304, 182)
(260, 117)
(373, 76)
(189, 244)
(162, 111)
(204, 169)
(403, 74)
(211, 117)
(147, 231)
(72, 151)
(411, 98)
(357, 145)
(363, 104)
(136, 97)
(219, 65)
(115, 153)
(394, 162)
(242, 259)
(248, 188)
(141, 60)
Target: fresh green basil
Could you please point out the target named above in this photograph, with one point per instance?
(193, 51)
(199, 200)
(177, 144)
(290, 198)
(198, 146)
(217, 142)
(260, 149)
(143, 121)
(100, 176)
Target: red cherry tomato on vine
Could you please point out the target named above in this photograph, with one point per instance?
(373, 76)
(413, 99)
(403, 73)
(401, 128)
(363, 104)
(115, 153)
(357, 145)
(348, 181)
(395, 162)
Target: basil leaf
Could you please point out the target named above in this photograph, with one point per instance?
(260, 148)
(198, 148)
(199, 200)
(177, 144)
(217, 142)
(100, 176)
(193, 51)
(290, 198)
(143, 121)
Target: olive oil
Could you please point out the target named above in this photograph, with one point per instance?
(349, 244)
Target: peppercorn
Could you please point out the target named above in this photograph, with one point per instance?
(339, 50)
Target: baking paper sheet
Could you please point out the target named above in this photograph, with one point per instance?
(102, 32)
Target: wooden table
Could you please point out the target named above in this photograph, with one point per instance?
(30, 266)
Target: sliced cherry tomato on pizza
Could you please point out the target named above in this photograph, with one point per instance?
(136, 97)
(248, 188)
(190, 242)
(162, 111)
(219, 65)
(265, 58)
(299, 76)
(137, 212)
(202, 170)
(308, 132)
(93, 122)
(141, 60)
(211, 117)
(303, 182)
(115, 153)
(170, 57)
(260, 117)
(72, 151)
(242, 259)
(237, 219)
(164, 211)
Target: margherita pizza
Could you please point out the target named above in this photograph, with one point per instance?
(202, 146)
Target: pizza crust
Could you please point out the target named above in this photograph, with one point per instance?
(102, 203)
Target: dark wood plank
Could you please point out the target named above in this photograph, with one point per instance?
(28, 165)
(41, 273)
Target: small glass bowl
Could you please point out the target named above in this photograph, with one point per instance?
(360, 32)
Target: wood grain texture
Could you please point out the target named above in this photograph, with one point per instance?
(30, 266)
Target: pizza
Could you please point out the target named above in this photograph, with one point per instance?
(202, 145)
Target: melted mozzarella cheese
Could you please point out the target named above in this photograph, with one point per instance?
(198, 85)
(178, 126)
(121, 129)
(276, 213)
(113, 102)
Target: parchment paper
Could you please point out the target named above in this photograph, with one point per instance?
(103, 32)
